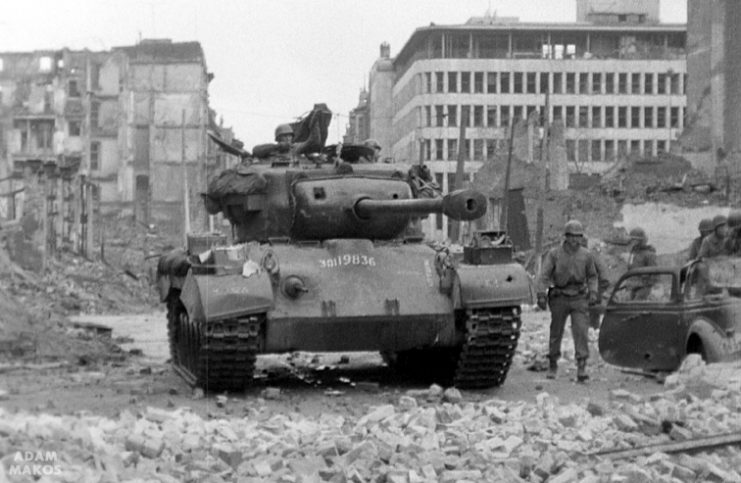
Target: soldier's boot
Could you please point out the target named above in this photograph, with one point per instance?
(581, 371)
(552, 369)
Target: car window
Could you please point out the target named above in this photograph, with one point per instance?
(645, 288)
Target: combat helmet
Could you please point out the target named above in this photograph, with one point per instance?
(573, 227)
(719, 220)
(283, 129)
(706, 226)
(638, 233)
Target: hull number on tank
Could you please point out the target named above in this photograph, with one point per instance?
(345, 260)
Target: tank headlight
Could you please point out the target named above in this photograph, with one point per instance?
(294, 286)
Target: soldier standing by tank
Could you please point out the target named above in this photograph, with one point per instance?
(733, 242)
(376, 147)
(705, 228)
(569, 274)
(714, 245)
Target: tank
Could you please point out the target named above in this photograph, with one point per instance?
(327, 255)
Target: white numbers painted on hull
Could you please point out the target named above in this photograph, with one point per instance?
(347, 260)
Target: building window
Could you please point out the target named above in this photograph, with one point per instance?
(570, 116)
(661, 117)
(95, 155)
(531, 83)
(452, 149)
(583, 116)
(72, 88)
(661, 84)
(558, 113)
(428, 116)
(635, 117)
(544, 87)
(504, 83)
(478, 116)
(478, 82)
(596, 116)
(583, 147)
(660, 147)
(674, 83)
(427, 146)
(505, 120)
(648, 148)
(622, 83)
(439, 116)
(518, 83)
(517, 114)
(439, 82)
(648, 83)
(622, 147)
(452, 81)
(596, 150)
(491, 82)
(648, 117)
(557, 83)
(45, 64)
(491, 148)
(491, 116)
(94, 114)
(622, 116)
(74, 128)
(596, 83)
(428, 82)
(465, 115)
(466, 147)
(465, 82)
(674, 117)
(635, 147)
(609, 116)
(584, 83)
(609, 150)
(570, 83)
(452, 115)
(635, 83)
(570, 150)
(610, 83)
(439, 149)
(478, 149)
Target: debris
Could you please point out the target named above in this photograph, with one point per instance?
(270, 393)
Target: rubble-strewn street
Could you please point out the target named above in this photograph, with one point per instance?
(345, 417)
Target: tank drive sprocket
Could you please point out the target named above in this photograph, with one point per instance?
(216, 356)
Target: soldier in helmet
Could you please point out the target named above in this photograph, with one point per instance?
(641, 253)
(569, 274)
(733, 242)
(705, 228)
(373, 144)
(714, 245)
(281, 147)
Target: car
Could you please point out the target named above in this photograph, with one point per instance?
(656, 316)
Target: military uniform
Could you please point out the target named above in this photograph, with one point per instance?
(571, 274)
(695, 247)
(602, 284)
(713, 246)
(642, 256)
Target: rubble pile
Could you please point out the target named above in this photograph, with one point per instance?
(426, 435)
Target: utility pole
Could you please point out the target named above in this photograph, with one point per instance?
(459, 174)
(544, 182)
(505, 207)
(186, 194)
(87, 190)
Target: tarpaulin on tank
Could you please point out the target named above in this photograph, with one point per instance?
(243, 180)
(310, 133)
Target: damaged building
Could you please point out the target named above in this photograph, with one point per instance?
(615, 79)
(118, 123)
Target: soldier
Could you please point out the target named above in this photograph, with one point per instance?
(733, 242)
(714, 245)
(705, 228)
(373, 144)
(569, 274)
(641, 253)
(281, 147)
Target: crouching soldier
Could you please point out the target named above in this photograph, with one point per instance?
(569, 274)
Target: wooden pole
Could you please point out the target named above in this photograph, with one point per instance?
(543, 185)
(186, 194)
(505, 197)
(455, 232)
(690, 445)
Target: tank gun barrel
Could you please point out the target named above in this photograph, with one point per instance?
(460, 205)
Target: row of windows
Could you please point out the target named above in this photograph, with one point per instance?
(667, 82)
(582, 150)
(571, 116)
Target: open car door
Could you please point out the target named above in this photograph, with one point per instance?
(642, 326)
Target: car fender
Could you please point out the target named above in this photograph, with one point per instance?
(499, 285)
(714, 342)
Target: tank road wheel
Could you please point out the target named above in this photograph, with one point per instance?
(489, 346)
(216, 356)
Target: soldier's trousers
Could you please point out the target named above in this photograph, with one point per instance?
(578, 308)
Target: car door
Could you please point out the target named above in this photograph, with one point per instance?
(642, 326)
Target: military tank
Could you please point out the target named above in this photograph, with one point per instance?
(328, 256)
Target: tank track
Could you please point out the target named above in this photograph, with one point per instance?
(491, 337)
(216, 356)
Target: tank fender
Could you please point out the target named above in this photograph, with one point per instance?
(499, 285)
(716, 346)
(171, 271)
(209, 297)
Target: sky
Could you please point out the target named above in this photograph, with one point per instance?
(272, 60)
